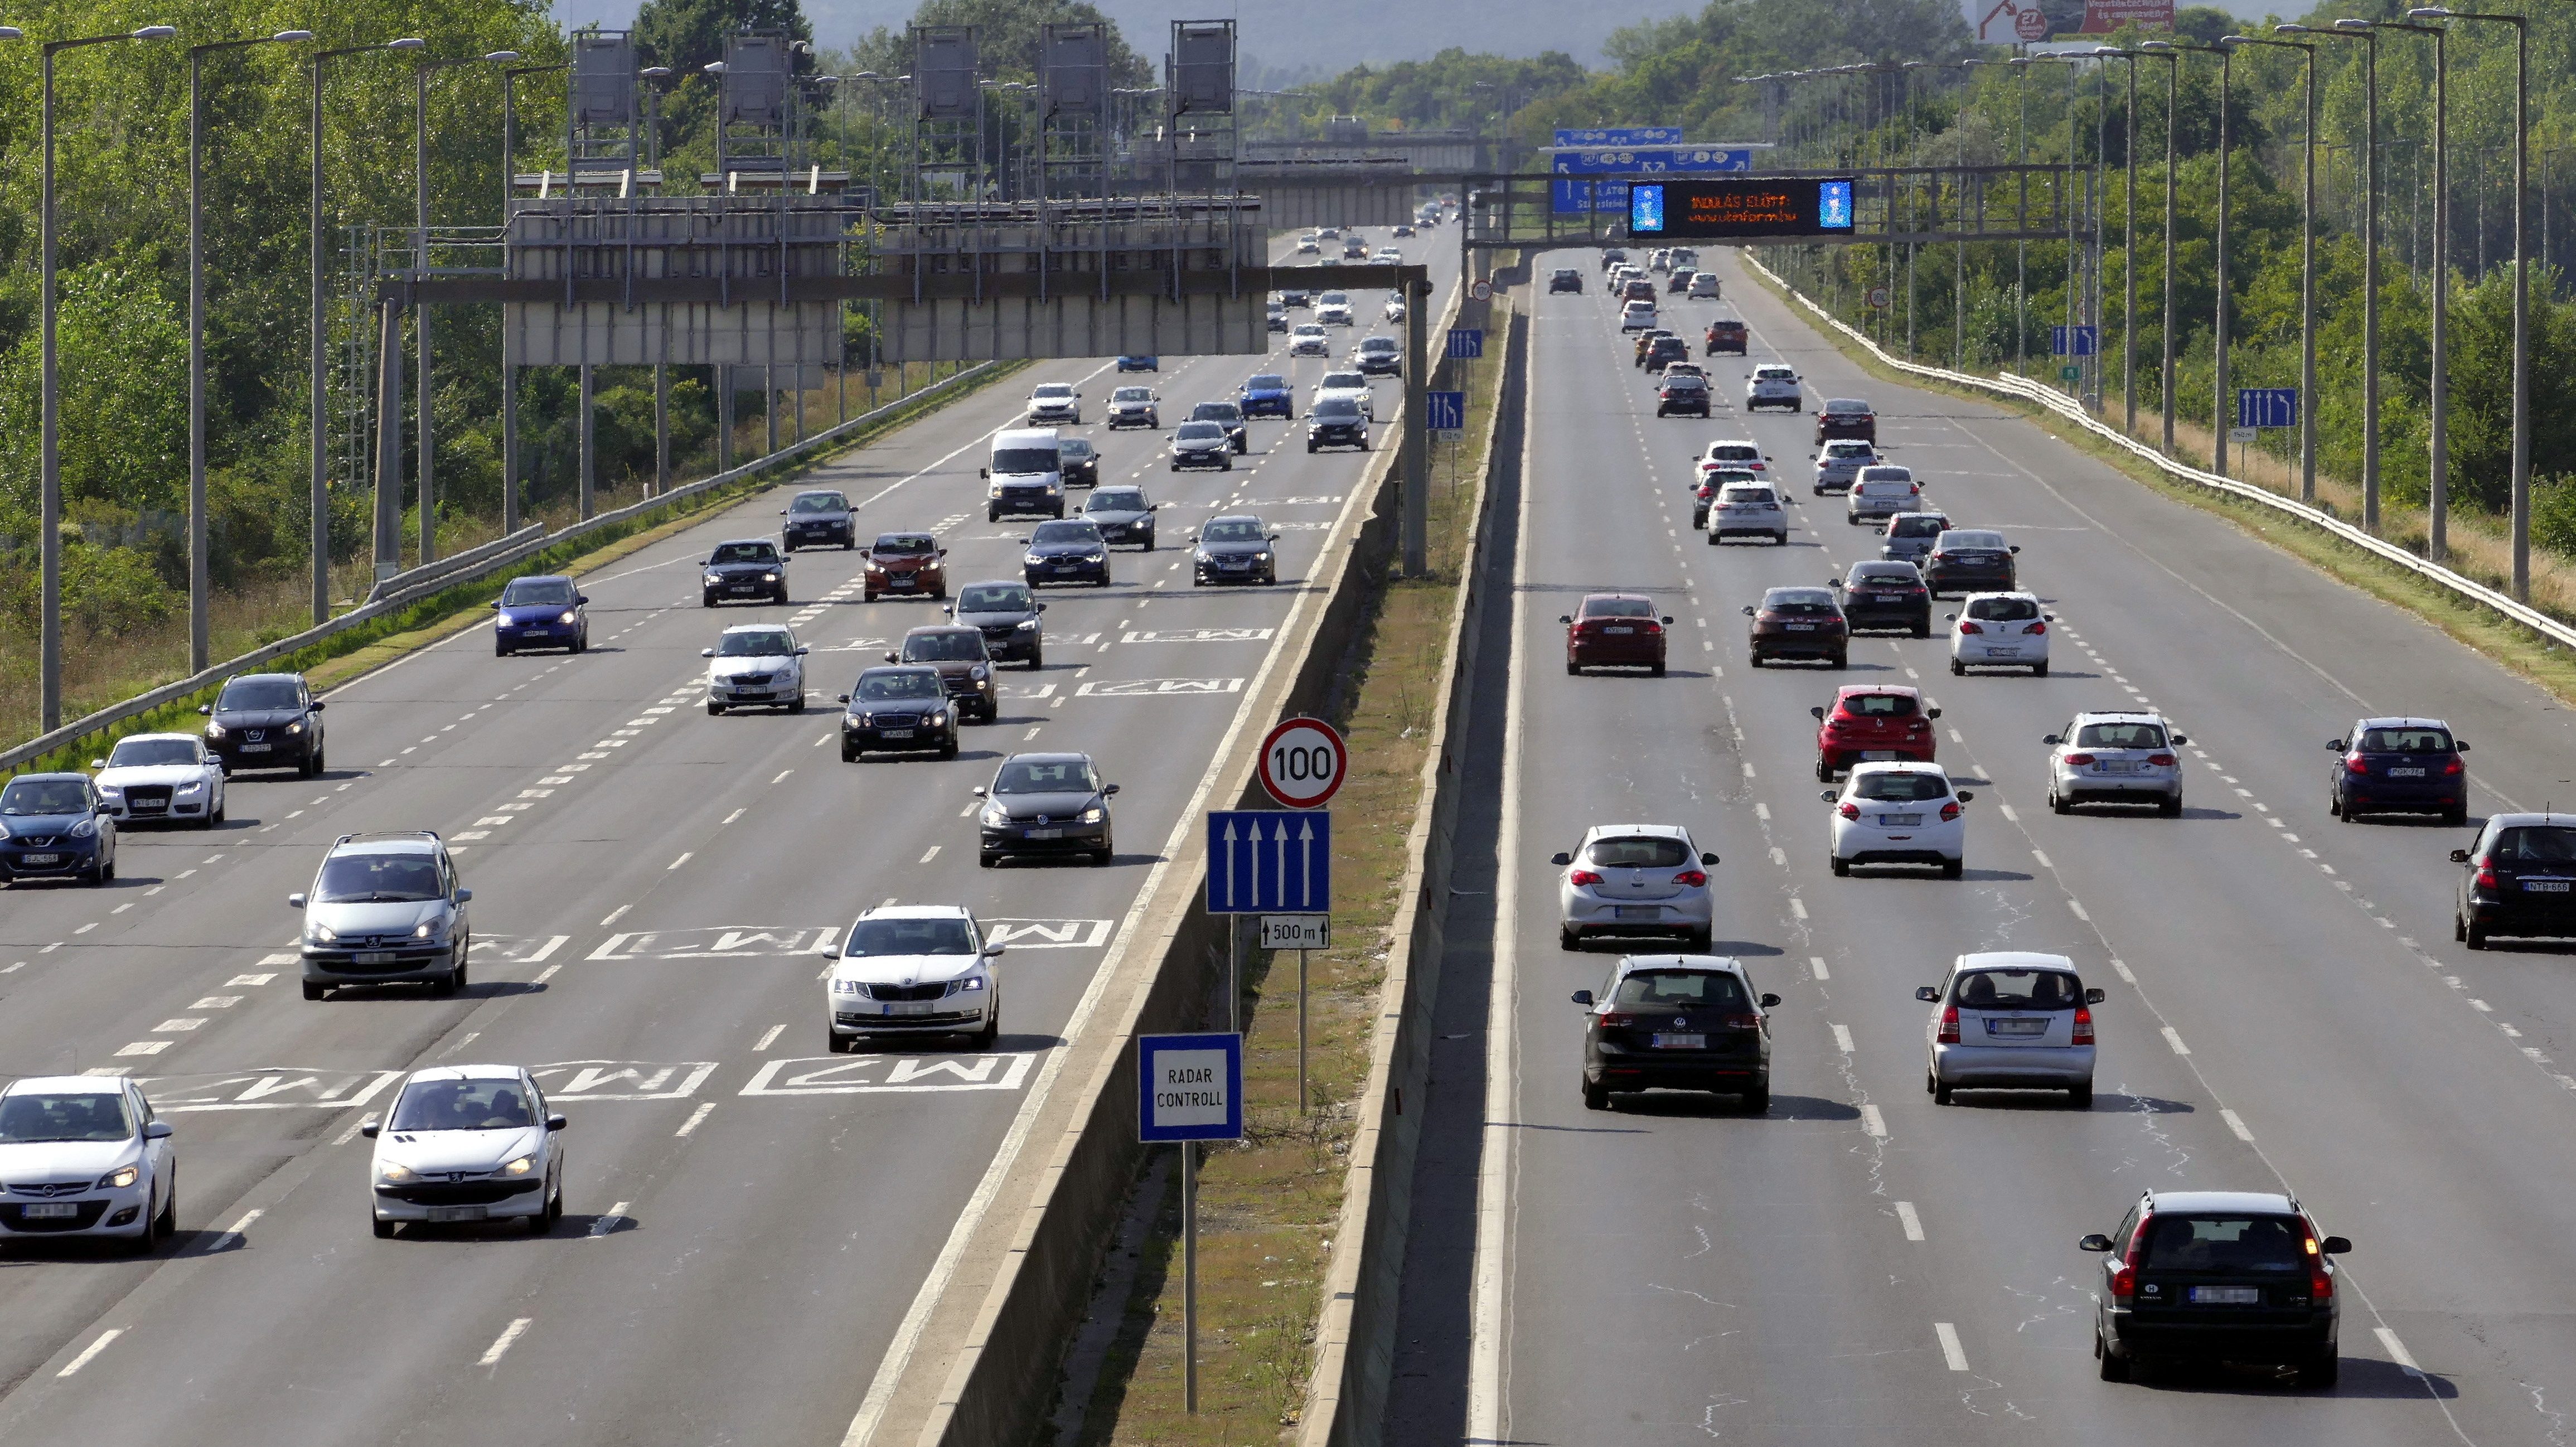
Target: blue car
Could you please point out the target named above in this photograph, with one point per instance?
(1071, 551)
(2400, 766)
(1140, 364)
(55, 826)
(540, 613)
(1267, 395)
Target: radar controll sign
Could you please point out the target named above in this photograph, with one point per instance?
(1725, 209)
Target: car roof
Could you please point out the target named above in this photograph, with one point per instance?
(918, 911)
(1847, 404)
(182, 738)
(1721, 964)
(67, 1085)
(1235, 517)
(2402, 723)
(421, 842)
(757, 628)
(2196, 1202)
(1854, 690)
(466, 1072)
(2012, 960)
(1050, 758)
(1967, 537)
(924, 628)
(2120, 715)
(921, 668)
(1637, 831)
(1618, 597)
(1899, 766)
(824, 492)
(44, 778)
(295, 677)
(1024, 437)
(1886, 565)
(739, 542)
(1972, 597)
(2521, 821)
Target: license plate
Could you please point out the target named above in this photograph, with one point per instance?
(1877, 754)
(2016, 1027)
(905, 1007)
(1900, 821)
(151, 806)
(52, 1210)
(2227, 1296)
(2115, 768)
(1680, 1042)
(2545, 886)
(2001, 652)
(1798, 627)
(460, 1213)
(2406, 773)
(894, 733)
(1068, 567)
(751, 588)
(1639, 911)
(39, 861)
(375, 957)
(256, 748)
(1046, 834)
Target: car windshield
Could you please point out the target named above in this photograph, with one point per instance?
(376, 879)
(1023, 460)
(44, 796)
(2120, 736)
(1618, 608)
(1074, 448)
(1132, 394)
(994, 598)
(462, 1105)
(1885, 575)
(247, 695)
(1920, 526)
(1886, 474)
(1879, 705)
(1342, 407)
(948, 645)
(1379, 346)
(68, 1115)
(538, 593)
(745, 553)
(2535, 844)
(2017, 990)
(755, 643)
(819, 502)
(2224, 1244)
(1966, 541)
(1266, 382)
(2404, 741)
(146, 753)
(1115, 500)
(1344, 381)
(905, 686)
(1199, 432)
(1800, 604)
(1638, 852)
(1045, 776)
(1067, 532)
(1335, 298)
(1684, 990)
(1216, 412)
(2003, 610)
(936, 935)
(1900, 788)
(1310, 329)
(1053, 389)
(902, 545)
(1233, 530)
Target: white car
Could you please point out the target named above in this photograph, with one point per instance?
(1387, 256)
(2000, 630)
(1309, 244)
(1660, 259)
(2116, 758)
(1898, 812)
(467, 1143)
(1840, 463)
(1394, 311)
(1637, 316)
(2010, 1020)
(1053, 404)
(913, 970)
(1308, 340)
(1880, 491)
(1748, 509)
(756, 664)
(1703, 286)
(1354, 385)
(84, 1156)
(1773, 385)
(1333, 309)
(1634, 879)
(1733, 454)
(162, 776)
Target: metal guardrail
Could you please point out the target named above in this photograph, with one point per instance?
(404, 589)
(2024, 389)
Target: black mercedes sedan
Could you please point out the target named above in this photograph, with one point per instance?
(898, 708)
(1045, 804)
(1886, 595)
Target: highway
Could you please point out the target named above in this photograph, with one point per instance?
(749, 1219)
(2286, 1008)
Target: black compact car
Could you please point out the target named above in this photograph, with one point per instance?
(1378, 357)
(1294, 297)
(1970, 560)
(2193, 1277)
(1798, 623)
(55, 826)
(1677, 1022)
(1565, 278)
(818, 519)
(1007, 615)
(1123, 515)
(898, 708)
(1228, 415)
(1234, 549)
(1336, 422)
(1070, 551)
(1045, 804)
(265, 721)
(2518, 879)
(1886, 595)
(1078, 462)
(2399, 766)
(746, 569)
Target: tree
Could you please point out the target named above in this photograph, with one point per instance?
(1007, 33)
(688, 35)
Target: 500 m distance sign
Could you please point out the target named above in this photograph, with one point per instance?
(1303, 762)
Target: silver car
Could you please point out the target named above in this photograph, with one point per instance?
(1634, 879)
(85, 1156)
(1840, 462)
(1881, 490)
(385, 909)
(2116, 758)
(2009, 1020)
(1748, 509)
(467, 1143)
(1910, 535)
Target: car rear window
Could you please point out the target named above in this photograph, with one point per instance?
(1733, 452)
(1846, 451)
(1901, 788)
(1746, 494)
(1885, 574)
(2405, 741)
(2017, 990)
(2535, 844)
(2003, 610)
(1923, 526)
(1684, 990)
(2224, 1244)
(1847, 404)
(1969, 541)
(1638, 852)
(1800, 601)
(1879, 705)
(1617, 608)
(1886, 473)
(2120, 736)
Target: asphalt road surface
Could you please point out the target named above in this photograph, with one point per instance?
(2286, 1008)
(749, 1218)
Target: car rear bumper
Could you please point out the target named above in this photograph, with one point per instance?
(1968, 580)
(1614, 655)
(2036, 1067)
(1639, 916)
(2002, 653)
(1801, 645)
(2265, 1344)
(1039, 576)
(2400, 796)
(1726, 1075)
(2159, 785)
(1886, 617)
(2515, 917)
(1843, 758)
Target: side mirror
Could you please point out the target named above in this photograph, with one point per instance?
(1828, 796)
(464, 896)
(1668, 620)
(1951, 617)
(893, 657)
(1582, 997)
(2181, 739)
(2015, 548)
(1769, 1001)
(2334, 1246)
(1927, 994)
(995, 949)
(2095, 996)
(318, 705)
(209, 709)
(2335, 744)
(2459, 856)
(1274, 537)
(1817, 712)
(2460, 744)
(1748, 611)
(2053, 740)
(782, 512)
(979, 791)
(1564, 617)
(983, 472)
(556, 1122)
(2095, 1242)
(580, 599)
(802, 650)
(495, 607)
(1560, 859)
(706, 653)
(1966, 797)
(943, 552)
(1708, 856)
(368, 1127)
(158, 1130)
(1932, 713)
(1108, 791)
(295, 901)
(949, 609)
(1834, 583)
(844, 698)
(1024, 542)
(98, 763)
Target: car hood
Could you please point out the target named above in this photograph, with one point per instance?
(1233, 549)
(902, 562)
(475, 1151)
(34, 1161)
(392, 917)
(1264, 394)
(729, 569)
(1054, 806)
(1051, 404)
(1200, 444)
(905, 969)
(257, 718)
(147, 775)
(1131, 406)
(752, 663)
(1009, 619)
(41, 826)
(1066, 548)
(948, 667)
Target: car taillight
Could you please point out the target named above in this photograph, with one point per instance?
(1913, 489)
(1742, 1022)
(1950, 811)
(1652, 628)
(2083, 1026)
(1614, 1022)
(1583, 876)
(1850, 811)
(1694, 878)
(2078, 761)
(2161, 761)
(2356, 764)
(1967, 627)
(2036, 628)
(2124, 1282)
(2320, 1280)
(1949, 1027)
(2486, 877)
(2451, 766)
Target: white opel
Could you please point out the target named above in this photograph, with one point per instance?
(1897, 812)
(84, 1156)
(1634, 879)
(2000, 630)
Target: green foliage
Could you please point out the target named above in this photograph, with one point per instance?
(1007, 38)
(123, 427)
(2553, 513)
(108, 593)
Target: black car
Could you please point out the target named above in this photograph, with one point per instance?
(265, 721)
(1234, 548)
(1798, 623)
(1045, 804)
(1612, 257)
(1278, 318)
(818, 519)
(1336, 422)
(1378, 357)
(1969, 560)
(1007, 613)
(746, 568)
(1068, 551)
(1078, 462)
(1294, 297)
(898, 708)
(1677, 1022)
(1565, 278)
(1123, 515)
(2399, 766)
(2218, 1276)
(962, 661)
(1661, 350)
(1229, 416)
(55, 826)
(2518, 879)
(1886, 595)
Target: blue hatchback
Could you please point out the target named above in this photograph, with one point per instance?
(1140, 364)
(2400, 766)
(540, 613)
(55, 826)
(1267, 395)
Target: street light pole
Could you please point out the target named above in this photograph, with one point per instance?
(2307, 265)
(2521, 282)
(2438, 492)
(2128, 244)
(2163, 51)
(2218, 306)
(509, 353)
(653, 76)
(420, 313)
(2350, 29)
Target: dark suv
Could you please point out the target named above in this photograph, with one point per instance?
(965, 666)
(2399, 766)
(265, 721)
(1565, 278)
(1679, 1022)
(1007, 615)
(2518, 879)
(1886, 595)
(1662, 350)
(2218, 1276)
(1725, 335)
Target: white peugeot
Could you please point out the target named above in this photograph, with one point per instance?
(913, 970)
(1637, 316)
(467, 1143)
(756, 665)
(1748, 509)
(1634, 879)
(83, 1155)
(2116, 758)
(2010, 1020)
(2000, 630)
(1774, 386)
(162, 776)
(1898, 812)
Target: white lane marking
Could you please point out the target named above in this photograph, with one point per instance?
(1762, 811)
(547, 973)
(2042, 858)
(2236, 1123)
(2121, 968)
(1842, 1039)
(768, 1038)
(1797, 906)
(928, 855)
(695, 1116)
(729, 818)
(216, 1002)
(145, 1047)
(250, 979)
(501, 1344)
(2396, 1350)
(1817, 964)
(232, 1235)
(2175, 1040)
(608, 1220)
(112, 1333)
(1912, 1223)
(2078, 906)
(1951, 1351)
(1872, 1121)
(683, 859)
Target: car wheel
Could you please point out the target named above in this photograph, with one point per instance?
(544, 1221)
(849, 542)
(1595, 1097)
(1940, 1091)
(796, 704)
(2114, 1369)
(2080, 1097)
(1923, 629)
(582, 643)
(384, 1229)
(1958, 669)
(2170, 808)
(2322, 1370)
(216, 815)
(2474, 936)
(991, 1032)
(1655, 670)
(2455, 817)
(2039, 670)
(2459, 928)
(1757, 1101)
(986, 858)
(849, 755)
(1753, 660)
(1954, 868)
(1699, 940)
(714, 708)
(1149, 542)
(2058, 803)
(499, 651)
(1840, 865)
(313, 991)
(1572, 667)
(1840, 660)
(1824, 769)
(1568, 937)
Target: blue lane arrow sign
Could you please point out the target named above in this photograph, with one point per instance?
(1466, 343)
(2267, 406)
(1269, 861)
(1445, 411)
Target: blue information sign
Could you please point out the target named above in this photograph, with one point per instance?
(1466, 343)
(2267, 406)
(2075, 341)
(1189, 1087)
(1578, 196)
(1445, 411)
(1269, 861)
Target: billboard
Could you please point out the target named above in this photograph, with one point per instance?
(1725, 209)
(2011, 22)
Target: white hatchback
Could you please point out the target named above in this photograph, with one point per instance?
(757, 665)
(1772, 385)
(2116, 758)
(1898, 812)
(467, 1143)
(162, 776)
(1634, 879)
(1841, 462)
(1703, 286)
(1880, 491)
(1748, 509)
(84, 1156)
(1637, 316)
(2000, 630)
(1333, 309)
(1353, 385)
(1308, 340)
(913, 970)
(2010, 1020)
(1733, 455)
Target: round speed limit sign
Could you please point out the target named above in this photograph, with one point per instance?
(1303, 762)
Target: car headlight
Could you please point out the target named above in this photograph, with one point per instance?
(715, 578)
(971, 982)
(192, 786)
(214, 730)
(978, 672)
(845, 987)
(1262, 557)
(429, 929)
(1094, 814)
(567, 616)
(120, 1178)
(389, 1171)
(520, 1167)
(1095, 557)
(996, 815)
(769, 577)
(1203, 556)
(1035, 558)
(319, 933)
(85, 829)
(939, 719)
(112, 791)
(1026, 625)
(294, 728)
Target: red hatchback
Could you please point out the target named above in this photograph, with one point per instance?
(1616, 630)
(1872, 721)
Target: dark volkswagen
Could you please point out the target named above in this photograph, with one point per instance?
(818, 519)
(1798, 623)
(265, 721)
(54, 826)
(1045, 804)
(964, 665)
(1123, 515)
(2518, 879)
(1234, 549)
(744, 569)
(2400, 766)
(541, 613)
(1677, 1022)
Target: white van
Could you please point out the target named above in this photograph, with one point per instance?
(1026, 474)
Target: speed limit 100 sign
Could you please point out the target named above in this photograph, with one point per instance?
(1302, 762)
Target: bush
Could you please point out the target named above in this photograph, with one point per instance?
(2553, 513)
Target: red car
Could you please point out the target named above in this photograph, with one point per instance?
(1725, 335)
(1615, 630)
(1872, 721)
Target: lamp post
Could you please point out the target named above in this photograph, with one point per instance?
(420, 314)
(653, 76)
(2307, 263)
(50, 468)
(2164, 51)
(2350, 29)
(2218, 303)
(200, 582)
(2438, 492)
(2128, 244)
(1959, 249)
(509, 353)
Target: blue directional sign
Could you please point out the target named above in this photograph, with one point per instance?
(1466, 343)
(2075, 341)
(1621, 136)
(2267, 406)
(1189, 1087)
(1578, 196)
(1445, 411)
(1269, 861)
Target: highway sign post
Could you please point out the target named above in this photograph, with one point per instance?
(1296, 931)
(1189, 1088)
(2267, 407)
(1575, 162)
(1269, 861)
